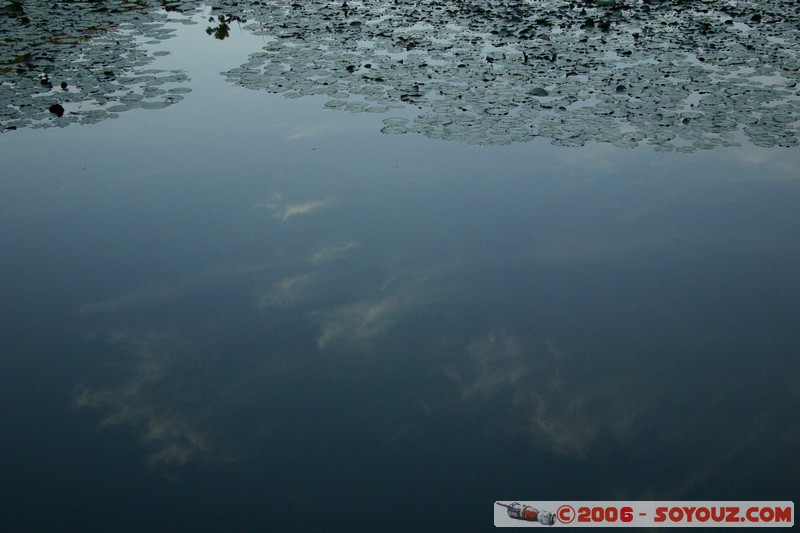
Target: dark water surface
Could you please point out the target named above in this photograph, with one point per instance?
(249, 312)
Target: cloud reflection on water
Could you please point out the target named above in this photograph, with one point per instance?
(541, 391)
(152, 399)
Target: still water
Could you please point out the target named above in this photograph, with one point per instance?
(250, 308)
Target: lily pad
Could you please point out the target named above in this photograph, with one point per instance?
(602, 79)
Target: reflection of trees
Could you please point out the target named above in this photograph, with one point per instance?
(683, 75)
(69, 62)
(222, 30)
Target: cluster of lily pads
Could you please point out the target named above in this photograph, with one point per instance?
(82, 62)
(679, 75)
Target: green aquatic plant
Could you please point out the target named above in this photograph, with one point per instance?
(626, 72)
(80, 62)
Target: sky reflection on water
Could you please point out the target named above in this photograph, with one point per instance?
(223, 312)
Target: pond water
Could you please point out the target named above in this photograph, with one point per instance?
(377, 266)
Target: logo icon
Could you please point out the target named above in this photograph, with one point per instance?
(529, 514)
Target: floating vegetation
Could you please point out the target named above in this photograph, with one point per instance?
(683, 75)
(679, 76)
(394, 130)
(82, 62)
